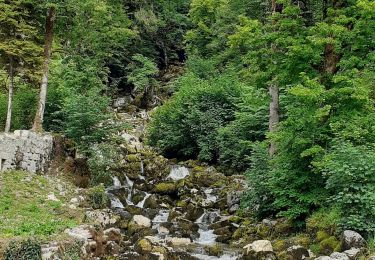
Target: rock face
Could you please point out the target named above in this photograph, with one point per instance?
(297, 252)
(351, 239)
(260, 249)
(25, 150)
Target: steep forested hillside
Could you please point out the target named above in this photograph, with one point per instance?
(279, 91)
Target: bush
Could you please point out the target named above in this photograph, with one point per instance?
(187, 126)
(259, 195)
(23, 250)
(98, 197)
(350, 172)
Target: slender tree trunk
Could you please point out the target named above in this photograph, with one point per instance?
(274, 117)
(38, 121)
(273, 89)
(10, 97)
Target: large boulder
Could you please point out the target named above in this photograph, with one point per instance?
(297, 252)
(351, 239)
(339, 256)
(259, 250)
(142, 221)
(104, 217)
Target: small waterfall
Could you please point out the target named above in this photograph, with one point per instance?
(142, 168)
(115, 202)
(210, 198)
(142, 203)
(162, 217)
(129, 184)
(206, 237)
(178, 173)
(116, 182)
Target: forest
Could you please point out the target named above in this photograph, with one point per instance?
(278, 92)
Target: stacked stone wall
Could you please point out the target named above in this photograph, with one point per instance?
(25, 150)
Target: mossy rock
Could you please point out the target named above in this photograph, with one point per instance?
(215, 250)
(264, 231)
(133, 158)
(280, 245)
(137, 198)
(329, 245)
(283, 256)
(181, 203)
(143, 246)
(321, 235)
(160, 250)
(302, 240)
(166, 188)
(283, 227)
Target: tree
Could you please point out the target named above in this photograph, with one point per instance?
(19, 48)
(38, 121)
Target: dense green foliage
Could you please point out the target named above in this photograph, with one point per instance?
(23, 250)
(319, 58)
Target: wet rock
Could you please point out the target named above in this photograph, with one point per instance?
(351, 239)
(353, 253)
(215, 250)
(142, 221)
(339, 256)
(166, 188)
(193, 212)
(297, 252)
(260, 249)
(178, 241)
(143, 246)
(224, 234)
(103, 217)
(113, 234)
(152, 202)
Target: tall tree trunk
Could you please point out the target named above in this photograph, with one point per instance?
(10, 96)
(38, 121)
(273, 89)
(274, 117)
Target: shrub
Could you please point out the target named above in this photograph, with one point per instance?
(350, 172)
(187, 126)
(98, 197)
(23, 250)
(103, 161)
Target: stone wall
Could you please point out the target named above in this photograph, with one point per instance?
(25, 150)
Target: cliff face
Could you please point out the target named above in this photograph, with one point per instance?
(25, 150)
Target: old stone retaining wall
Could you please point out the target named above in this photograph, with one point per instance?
(25, 150)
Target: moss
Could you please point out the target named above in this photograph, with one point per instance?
(329, 245)
(324, 219)
(215, 250)
(302, 240)
(264, 231)
(181, 203)
(160, 249)
(165, 188)
(235, 219)
(143, 246)
(321, 235)
(283, 227)
(280, 245)
(133, 158)
(282, 256)
(315, 248)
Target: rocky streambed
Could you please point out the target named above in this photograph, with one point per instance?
(163, 209)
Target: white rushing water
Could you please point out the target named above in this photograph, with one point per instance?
(178, 173)
(206, 237)
(116, 203)
(161, 217)
(142, 203)
(223, 257)
(116, 182)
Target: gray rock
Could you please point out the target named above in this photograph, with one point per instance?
(339, 256)
(323, 258)
(25, 150)
(260, 249)
(103, 217)
(352, 253)
(297, 252)
(351, 239)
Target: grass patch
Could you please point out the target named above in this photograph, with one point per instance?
(25, 210)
